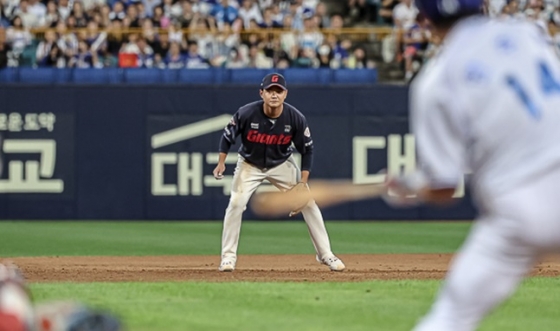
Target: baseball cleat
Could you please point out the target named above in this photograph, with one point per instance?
(333, 262)
(227, 266)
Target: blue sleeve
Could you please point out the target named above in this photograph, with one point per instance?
(304, 143)
(231, 131)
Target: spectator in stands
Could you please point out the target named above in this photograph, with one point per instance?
(193, 60)
(297, 13)
(67, 41)
(277, 14)
(90, 5)
(161, 45)
(203, 7)
(336, 22)
(249, 11)
(95, 39)
(414, 42)
(45, 45)
(174, 59)
(404, 14)
(225, 40)
(322, 15)
(84, 58)
(257, 59)
(235, 60)
(18, 37)
(386, 11)
(149, 6)
(145, 54)
(362, 10)
(205, 37)
(115, 40)
(555, 17)
(433, 47)
(187, 14)
(149, 32)
(28, 19)
(358, 60)
(224, 12)
(268, 21)
(4, 17)
(265, 3)
(341, 51)
(38, 9)
(132, 15)
(52, 16)
(325, 56)
(536, 12)
(79, 14)
(175, 33)
(273, 49)
(311, 37)
(159, 19)
(307, 58)
(54, 59)
(104, 11)
(4, 49)
(118, 12)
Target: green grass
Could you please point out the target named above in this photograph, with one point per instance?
(203, 238)
(378, 305)
(373, 305)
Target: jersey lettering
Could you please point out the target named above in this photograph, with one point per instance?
(268, 139)
(548, 84)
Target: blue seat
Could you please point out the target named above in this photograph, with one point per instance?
(196, 76)
(169, 76)
(8, 75)
(247, 76)
(354, 77)
(142, 76)
(300, 76)
(96, 76)
(39, 76)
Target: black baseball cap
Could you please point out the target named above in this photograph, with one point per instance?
(273, 79)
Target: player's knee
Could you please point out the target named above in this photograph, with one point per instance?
(237, 202)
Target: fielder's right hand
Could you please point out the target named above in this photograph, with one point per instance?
(219, 171)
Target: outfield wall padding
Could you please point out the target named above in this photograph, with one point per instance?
(147, 152)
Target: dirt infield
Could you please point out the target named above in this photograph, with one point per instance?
(299, 268)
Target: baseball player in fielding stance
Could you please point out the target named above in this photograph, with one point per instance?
(489, 103)
(268, 128)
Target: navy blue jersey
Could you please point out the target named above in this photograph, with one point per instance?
(267, 142)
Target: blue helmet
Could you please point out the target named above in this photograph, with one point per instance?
(441, 10)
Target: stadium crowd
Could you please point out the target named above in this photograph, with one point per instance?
(225, 33)
(151, 33)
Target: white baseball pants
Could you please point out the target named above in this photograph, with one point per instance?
(246, 179)
(501, 249)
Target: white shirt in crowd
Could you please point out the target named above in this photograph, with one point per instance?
(405, 15)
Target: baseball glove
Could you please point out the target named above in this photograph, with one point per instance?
(299, 198)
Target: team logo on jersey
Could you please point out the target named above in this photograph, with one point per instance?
(254, 125)
(287, 128)
(307, 133)
(268, 139)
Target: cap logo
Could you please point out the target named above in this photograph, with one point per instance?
(274, 79)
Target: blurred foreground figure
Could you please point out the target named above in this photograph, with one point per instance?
(17, 312)
(16, 309)
(488, 103)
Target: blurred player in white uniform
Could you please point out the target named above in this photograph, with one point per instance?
(488, 103)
